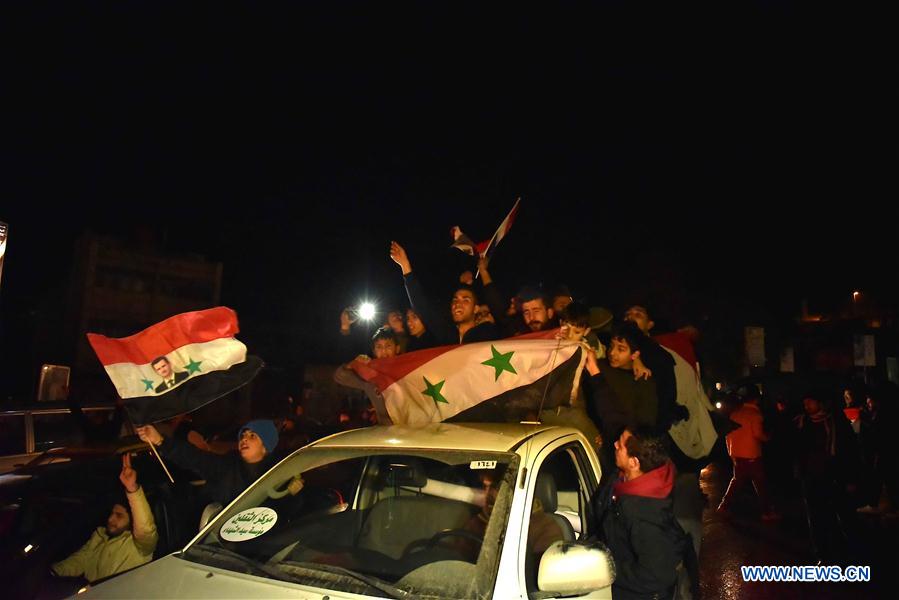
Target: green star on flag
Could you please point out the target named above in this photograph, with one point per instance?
(193, 366)
(147, 383)
(433, 390)
(500, 362)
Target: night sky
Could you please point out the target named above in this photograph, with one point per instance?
(692, 158)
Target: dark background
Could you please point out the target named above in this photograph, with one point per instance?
(720, 163)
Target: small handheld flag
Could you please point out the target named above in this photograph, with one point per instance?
(484, 249)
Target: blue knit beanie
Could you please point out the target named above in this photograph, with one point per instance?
(266, 431)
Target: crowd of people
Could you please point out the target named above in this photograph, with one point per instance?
(828, 447)
(649, 508)
(625, 408)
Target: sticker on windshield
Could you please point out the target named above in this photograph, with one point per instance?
(483, 464)
(249, 524)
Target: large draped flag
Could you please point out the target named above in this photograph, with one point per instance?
(177, 365)
(502, 380)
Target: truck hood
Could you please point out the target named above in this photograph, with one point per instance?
(174, 577)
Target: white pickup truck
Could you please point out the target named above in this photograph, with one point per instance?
(445, 511)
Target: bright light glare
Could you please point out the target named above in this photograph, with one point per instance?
(367, 311)
(718, 386)
(718, 405)
(28, 548)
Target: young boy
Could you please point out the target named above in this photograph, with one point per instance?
(617, 397)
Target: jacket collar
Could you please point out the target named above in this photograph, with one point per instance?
(657, 483)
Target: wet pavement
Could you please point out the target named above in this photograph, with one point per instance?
(743, 539)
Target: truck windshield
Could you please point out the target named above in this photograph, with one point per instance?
(420, 523)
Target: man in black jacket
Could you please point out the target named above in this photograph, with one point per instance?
(226, 475)
(637, 520)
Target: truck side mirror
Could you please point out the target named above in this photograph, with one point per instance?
(572, 568)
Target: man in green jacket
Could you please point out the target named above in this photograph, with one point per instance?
(127, 541)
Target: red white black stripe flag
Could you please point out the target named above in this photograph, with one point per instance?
(177, 365)
(486, 248)
(454, 382)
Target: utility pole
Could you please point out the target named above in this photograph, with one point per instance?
(4, 229)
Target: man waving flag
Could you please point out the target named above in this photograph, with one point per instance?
(177, 365)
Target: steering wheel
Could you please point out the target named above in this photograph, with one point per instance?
(424, 544)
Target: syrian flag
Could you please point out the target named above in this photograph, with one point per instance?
(696, 435)
(502, 380)
(501, 231)
(485, 249)
(463, 242)
(177, 365)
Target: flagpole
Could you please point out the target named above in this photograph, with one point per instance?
(159, 458)
(155, 452)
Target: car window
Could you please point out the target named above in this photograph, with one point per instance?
(54, 430)
(420, 522)
(12, 434)
(559, 508)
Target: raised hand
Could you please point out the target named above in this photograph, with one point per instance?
(128, 476)
(346, 320)
(149, 434)
(641, 371)
(398, 254)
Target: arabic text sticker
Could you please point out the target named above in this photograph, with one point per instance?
(482, 464)
(249, 524)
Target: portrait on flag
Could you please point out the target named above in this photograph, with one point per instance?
(170, 378)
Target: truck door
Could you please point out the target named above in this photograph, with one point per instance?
(560, 489)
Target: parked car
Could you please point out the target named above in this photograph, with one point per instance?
(25, 433)
(446, 511)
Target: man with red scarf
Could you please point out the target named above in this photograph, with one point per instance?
(637, 520)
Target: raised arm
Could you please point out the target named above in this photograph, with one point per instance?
(186, 455)
(143, 530)
(432, 320)
(495, 300)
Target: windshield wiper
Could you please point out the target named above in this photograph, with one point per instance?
(255, 565)
(378, 584)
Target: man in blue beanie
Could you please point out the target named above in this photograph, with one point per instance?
(226, 475)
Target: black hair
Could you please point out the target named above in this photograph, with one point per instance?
(642, 305)
(384, 333)
(468, 288)
(159, 358)
(648, 447)
(558, 290)
(630, 333)
(121, 499)
(529, 294)
(576, 314)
